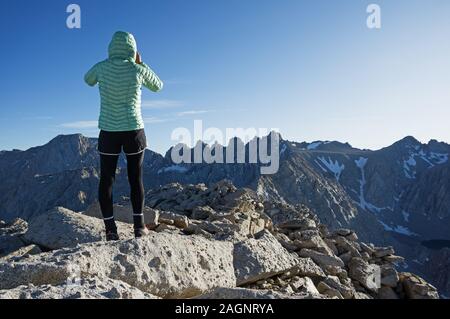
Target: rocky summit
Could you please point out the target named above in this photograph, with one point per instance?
(205, 242)
(396, 196)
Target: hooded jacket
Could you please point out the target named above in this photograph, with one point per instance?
(120, 80)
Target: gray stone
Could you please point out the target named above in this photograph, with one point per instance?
(286, 290)
(366, 248)
(417, 288)
(339, 272)
(165, 265)
(383, 251)
(179, 221)
(298, 224)
(366, 274)
(60, 228)
(286, 242)
(386, 293)
(11, 236)
(151, 218)
(22, 252)
(332, 245)
(334, 282)
(17, 227)
(346, 257)
(264, 257)
(166, 227)
(305, 267)
(325, 289)
(389, 276)
(321, 259)
(197, 230)
(304, 285)
(202, 212)
(343, 244)
(312, 240)
(352, 237)
(361, 295)
(393, 259)
(87, 288)
(343, 232)
(242, 293)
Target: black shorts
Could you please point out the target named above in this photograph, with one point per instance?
(111, 143)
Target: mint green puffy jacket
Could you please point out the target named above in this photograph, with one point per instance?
(120, 80)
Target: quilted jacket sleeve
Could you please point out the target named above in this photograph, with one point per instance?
(149, 79)
(91, 77)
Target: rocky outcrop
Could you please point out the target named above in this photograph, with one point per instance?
(60, 228)
(165, 265)
(22, 252)
(11, 236)
(233, 245)
(260, 258)
(415, 287)
(244, 293)
(321, 259)
(405, 184)
(86, 288)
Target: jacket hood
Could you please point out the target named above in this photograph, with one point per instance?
(123, 46)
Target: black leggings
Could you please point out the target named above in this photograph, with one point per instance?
(108, 165)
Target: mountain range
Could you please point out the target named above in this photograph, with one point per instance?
(398, 195)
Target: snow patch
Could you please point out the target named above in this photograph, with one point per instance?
(398, 229)
(431, 159)
(283, 149)
(361, 162)
(439, 158)
(404, 231)
(405, 216)
(333, 166)
(314, 145)
(411, 161)
(173, 168)
(408, 168)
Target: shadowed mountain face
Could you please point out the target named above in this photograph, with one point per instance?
(399, 195)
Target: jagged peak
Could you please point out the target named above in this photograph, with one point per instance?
(409, 140)
(69, 138)
(434, 142)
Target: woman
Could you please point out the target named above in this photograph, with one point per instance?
(120, 78)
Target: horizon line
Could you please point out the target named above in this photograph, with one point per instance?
(236, 137)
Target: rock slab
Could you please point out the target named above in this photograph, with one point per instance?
(260, 258)
(61, 228)
(164, 265)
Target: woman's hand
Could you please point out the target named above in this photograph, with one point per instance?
(138, 58)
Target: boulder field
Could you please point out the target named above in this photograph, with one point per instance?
(205, 242)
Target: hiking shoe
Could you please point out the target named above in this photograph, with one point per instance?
(112, 236)
(141, 232)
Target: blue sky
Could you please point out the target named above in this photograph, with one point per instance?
(310, 68)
